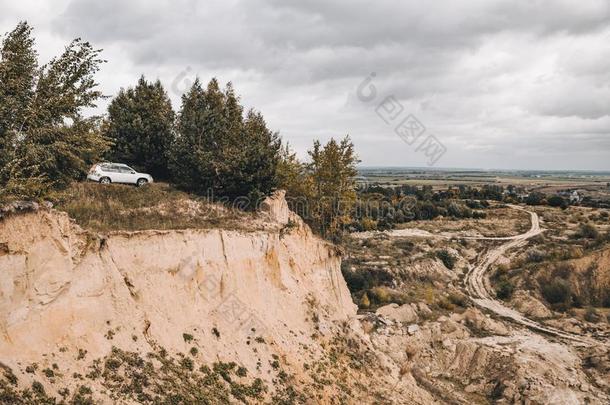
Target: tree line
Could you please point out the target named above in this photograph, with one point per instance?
(210, 146)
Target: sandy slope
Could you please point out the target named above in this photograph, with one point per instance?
(272, 301)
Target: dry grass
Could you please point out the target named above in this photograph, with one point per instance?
(106, 208)
(499, 222)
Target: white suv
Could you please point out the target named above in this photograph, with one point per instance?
(107, 173)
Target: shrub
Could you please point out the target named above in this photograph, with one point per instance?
(38, 388)
(359, 280)
(535, 256)
(383, 295)
(588, 231)
(445, 303)
(557, 291)
(405, 245)
(505, 288)
(563, 270)
(241, 372)
(447, 258)
(591, 315)
(458, 299)
(364, 301)
(368, 224)
(187, 363)
(606, 299)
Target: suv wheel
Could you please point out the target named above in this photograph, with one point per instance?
(142, 182)
(105, 180)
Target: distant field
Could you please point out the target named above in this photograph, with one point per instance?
(444, 178)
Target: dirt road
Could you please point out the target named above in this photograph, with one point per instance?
(478, 286)
(477, 282)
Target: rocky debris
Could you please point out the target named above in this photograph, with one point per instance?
(404, 313)
(530, 306)
(453, 328)
(422, 310)
(470, 361)
(475, 319)
(596, 361)
(479, 359)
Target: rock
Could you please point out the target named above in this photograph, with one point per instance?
(367, 326)
(276, 207)
(403, 313)
(412, 329)
(422, 309)
(473, 388)
(412, 350)
(530, 306)
(477, 320)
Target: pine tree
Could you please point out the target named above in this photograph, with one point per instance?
(141, 126)
(50, 142)
(218, 152)
(260, 158)
(191, 159)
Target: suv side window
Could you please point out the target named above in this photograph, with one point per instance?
(124, 169)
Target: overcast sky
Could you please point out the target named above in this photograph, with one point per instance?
(500, 84)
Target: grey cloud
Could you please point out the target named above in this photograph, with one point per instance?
(490, 77)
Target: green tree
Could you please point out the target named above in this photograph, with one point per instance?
(333, 172)
(557, 201)
(141, 126)
(535, 198)
(49, 141)
(219, 151)
(257, 162)
(202, 126)
(18, 70)
(294, 177)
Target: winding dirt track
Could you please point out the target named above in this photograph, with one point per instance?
(479, 288)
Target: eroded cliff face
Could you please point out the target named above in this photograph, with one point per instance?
(270, 300)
